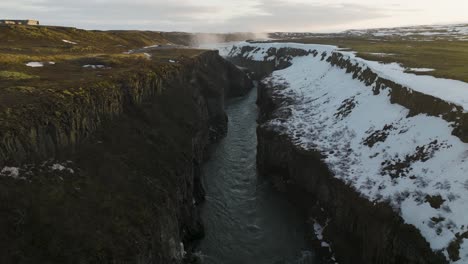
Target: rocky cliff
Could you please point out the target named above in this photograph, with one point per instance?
(365, 152)
(359, 230)
(108, 172)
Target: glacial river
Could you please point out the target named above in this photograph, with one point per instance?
(246, 220)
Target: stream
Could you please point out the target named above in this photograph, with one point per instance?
(246, 220)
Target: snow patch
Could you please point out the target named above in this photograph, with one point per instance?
(318, 230)
(380, 54)
(421, 69)
(12, 172)
(91, 66)
(27, 171)
(60, 167)
(69, 42)
(152, 46)
(35, 64)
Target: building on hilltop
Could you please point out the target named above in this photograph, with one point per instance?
(19, 22)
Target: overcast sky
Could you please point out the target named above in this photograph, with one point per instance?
(237, 15)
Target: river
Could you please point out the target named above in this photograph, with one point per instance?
(246, 220)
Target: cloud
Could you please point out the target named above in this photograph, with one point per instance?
(282, 16)
(216, 15)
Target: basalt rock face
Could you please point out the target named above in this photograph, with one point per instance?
(122, 178)
(361, 232)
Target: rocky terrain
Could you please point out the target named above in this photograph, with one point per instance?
(373, 153)
(101, 148)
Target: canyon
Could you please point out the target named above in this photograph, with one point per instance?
(129, 147)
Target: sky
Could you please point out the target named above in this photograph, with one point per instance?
(237, 15)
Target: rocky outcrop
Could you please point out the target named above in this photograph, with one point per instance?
(122, 181)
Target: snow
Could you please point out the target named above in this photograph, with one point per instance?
(96, 66)
(463, 253)
(35, 64)
(69, 42)
(57, 166)
(318, 230)
(26, 171)
(182, 253)
(433, 31)
(325, 244)
(421, 69)
(60, 167)
(380, 54)
(12, 172)
(172, 61)
(152, 46)
(341, 117)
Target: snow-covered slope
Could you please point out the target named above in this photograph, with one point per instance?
(413, 162)
(459, 31)
(422, 33)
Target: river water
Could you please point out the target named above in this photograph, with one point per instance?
(246, 220)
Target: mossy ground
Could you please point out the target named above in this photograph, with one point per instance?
(448, 57)
(23, 87)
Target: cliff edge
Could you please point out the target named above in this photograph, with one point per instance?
(101, 153)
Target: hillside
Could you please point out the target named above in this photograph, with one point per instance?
(440, 51)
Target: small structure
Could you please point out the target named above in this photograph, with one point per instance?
(19, 22)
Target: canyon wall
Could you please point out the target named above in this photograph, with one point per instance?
(359, 230)
(111, 173)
